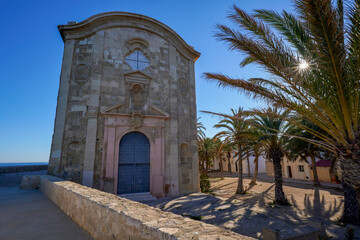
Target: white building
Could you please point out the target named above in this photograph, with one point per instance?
(234, 164)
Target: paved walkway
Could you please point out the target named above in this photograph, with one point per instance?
(27, 214)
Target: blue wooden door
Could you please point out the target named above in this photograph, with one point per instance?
(134, 164)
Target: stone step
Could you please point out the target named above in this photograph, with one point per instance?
(138, 197)
(135, 194)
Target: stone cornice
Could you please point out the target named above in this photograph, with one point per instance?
(129, 115)
(125, 19)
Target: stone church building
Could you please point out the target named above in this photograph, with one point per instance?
(126, 113)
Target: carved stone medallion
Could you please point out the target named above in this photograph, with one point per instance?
(136, 119)
(81, 73)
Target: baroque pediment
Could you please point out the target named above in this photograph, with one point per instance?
(117, 109)
(159, 111)
(137, 77)
(113, 109)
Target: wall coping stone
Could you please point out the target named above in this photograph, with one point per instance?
(23, 168)
(107, 216)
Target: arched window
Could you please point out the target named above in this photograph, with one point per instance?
(137, 60)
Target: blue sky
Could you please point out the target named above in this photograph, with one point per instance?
(31, 53)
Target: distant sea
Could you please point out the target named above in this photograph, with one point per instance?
(22, 164)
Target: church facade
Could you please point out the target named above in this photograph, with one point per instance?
(126, 113)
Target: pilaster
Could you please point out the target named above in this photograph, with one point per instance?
(59, 125)
(173, 160)
(93, 108)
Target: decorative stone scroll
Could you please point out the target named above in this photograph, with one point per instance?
(138, 42)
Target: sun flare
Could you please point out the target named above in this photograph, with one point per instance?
(304, 65)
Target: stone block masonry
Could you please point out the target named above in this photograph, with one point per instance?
(125, 73)
(30, 182)
(107, 216)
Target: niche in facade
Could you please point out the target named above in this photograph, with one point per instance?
(138, 87)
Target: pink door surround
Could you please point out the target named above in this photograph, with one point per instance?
(115, 127)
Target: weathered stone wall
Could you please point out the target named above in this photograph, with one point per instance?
(106, 216)
(15, 169)
(93, 79)
(29, 181)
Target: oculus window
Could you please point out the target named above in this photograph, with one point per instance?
(137, 60)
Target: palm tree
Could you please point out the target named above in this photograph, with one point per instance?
(256, 151)
(313, 60)
(271, 122)
(296, 147)
(228, 150)
(256, 148)
(200, 130)
(237, 132)
(248, 164)
(207, 152)
(219, 153)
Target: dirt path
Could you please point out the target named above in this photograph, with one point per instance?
(250, 213)
(307, 200)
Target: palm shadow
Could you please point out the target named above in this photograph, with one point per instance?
(315, 205)
(248, 214)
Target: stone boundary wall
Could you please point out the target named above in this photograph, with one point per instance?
(107, 216)
(30, 182)
(24, 168)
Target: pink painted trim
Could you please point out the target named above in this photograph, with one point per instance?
(115, 128)
(103, 168)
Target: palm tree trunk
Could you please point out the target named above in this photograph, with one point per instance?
(221, 168)
(206, 166)
(202, 166)
(351, 212)
(240, 186)
(256, 161)
(229, 162)
(248, 165)
(279, 193)
(313, 165)
(351, 185)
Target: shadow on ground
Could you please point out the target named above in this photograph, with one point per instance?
(249, 214)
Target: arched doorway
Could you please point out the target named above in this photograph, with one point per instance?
(134, 164)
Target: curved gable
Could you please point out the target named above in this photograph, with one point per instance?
(125, 19)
